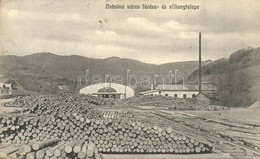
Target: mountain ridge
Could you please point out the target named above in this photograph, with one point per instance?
(48, 67)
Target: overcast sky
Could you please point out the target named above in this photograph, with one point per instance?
(87, 28)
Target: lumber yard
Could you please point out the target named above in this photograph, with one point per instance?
(83, 126)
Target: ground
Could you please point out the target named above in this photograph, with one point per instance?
(239, 114)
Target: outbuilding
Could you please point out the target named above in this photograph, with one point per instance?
(5, 88)
(109, 90)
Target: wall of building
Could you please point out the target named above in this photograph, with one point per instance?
(189, 94)
(155, 93)
(114, 96)
(118, 87)
(179, 93)
(5, 90)
(151, 93)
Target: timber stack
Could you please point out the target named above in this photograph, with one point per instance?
(74, 128)
(172, 103)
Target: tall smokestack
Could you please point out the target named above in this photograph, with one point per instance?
(199, 64)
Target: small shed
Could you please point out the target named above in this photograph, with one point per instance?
(6, 88)
(108, 92)
(115, 90)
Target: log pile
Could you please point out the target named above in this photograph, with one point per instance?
(108, 136)
(117, 115)
(21, 102)
(31, 101)
(51, 148)
(82, 130)
(172, 102)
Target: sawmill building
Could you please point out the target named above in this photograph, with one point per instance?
(109, 90)
(181, 91)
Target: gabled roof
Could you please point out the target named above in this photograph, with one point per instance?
(106, 93)
(173, 87)
(8, 85)
(107, 89)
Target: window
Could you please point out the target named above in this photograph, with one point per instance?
(166, 94)
(184, 96)
(193, 95)
(175, 95)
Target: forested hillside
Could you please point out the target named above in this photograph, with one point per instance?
(237, 78)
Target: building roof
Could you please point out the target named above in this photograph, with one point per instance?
(8, 85)
(106, 93)
(207, 89)
(150, 91)
(106, 89)
(172, 87)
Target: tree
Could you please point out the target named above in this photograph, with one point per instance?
(234, 89)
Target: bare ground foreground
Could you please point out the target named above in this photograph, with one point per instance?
(236, 114)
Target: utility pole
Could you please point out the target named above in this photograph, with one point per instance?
(199, 64)
(109, 86)
(125, 92)
(109, 89)
(127, 74)
(175, 76)
(214, 88)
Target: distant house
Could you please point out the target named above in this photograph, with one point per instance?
(181, 91)
(6, 88)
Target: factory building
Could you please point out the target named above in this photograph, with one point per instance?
(106, 90)
(181, 91)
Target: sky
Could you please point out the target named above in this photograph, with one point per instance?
(87, 28)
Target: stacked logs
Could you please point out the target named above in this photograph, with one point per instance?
(21, 102)
(12, 129)
(73, 120)
(109, 115)
(51, 148)
(52, 105)
(53, 108)
(134, 137)
(31, 101)
(109, 136)
(172, 102)
(117, 115)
